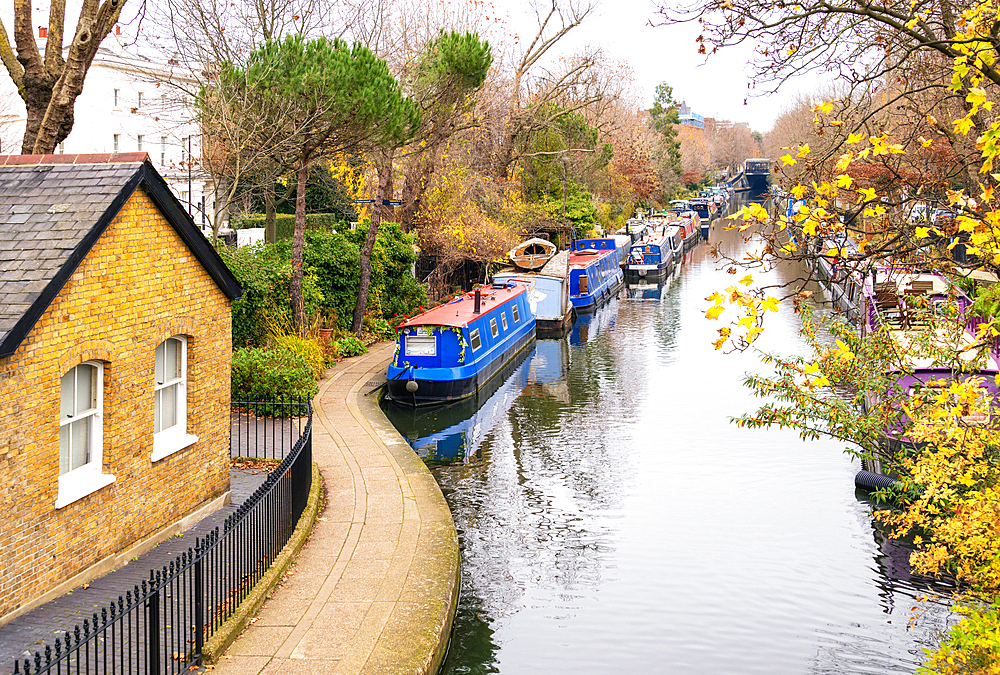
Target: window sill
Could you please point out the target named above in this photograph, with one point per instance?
(166, 444)
(75, 487)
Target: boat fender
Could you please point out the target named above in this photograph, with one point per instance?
(411, 386)
(870, 481)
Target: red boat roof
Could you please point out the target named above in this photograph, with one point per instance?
(587, 258)
(459, 312)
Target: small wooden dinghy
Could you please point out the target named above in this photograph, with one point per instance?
(532, 254)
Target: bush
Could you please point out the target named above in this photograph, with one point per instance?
(379, 327)
(306, 348)
(393, 289)
(284, 224)
(270, 373)
(265, 272)
(351, 346)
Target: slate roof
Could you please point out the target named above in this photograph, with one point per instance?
(52, 210)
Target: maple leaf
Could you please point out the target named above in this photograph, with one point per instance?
(844, 161)
(788, 160)
(803, 150)
(963, 125)
(714, 312)
(770, 304)
(844, 181)
(747, 280)
(856, 138)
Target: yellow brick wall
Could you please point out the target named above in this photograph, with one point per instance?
(138, 285)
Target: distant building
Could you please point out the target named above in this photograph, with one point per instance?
(689, 118)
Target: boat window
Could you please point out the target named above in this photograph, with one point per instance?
(493, 327)
(417, 345)
(503, 319)
(474, 340)
(514, 313)
(584, 285)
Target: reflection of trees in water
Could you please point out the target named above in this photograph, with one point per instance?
(528, 511)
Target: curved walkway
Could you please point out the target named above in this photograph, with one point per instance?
(374, 589)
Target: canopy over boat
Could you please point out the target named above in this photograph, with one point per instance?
(532, 254)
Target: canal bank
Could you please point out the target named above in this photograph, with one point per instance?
(374, 589)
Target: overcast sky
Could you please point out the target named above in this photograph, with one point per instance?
(716, 88)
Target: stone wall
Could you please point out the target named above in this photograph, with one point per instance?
(139, 285)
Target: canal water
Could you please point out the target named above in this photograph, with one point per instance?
(613, 520)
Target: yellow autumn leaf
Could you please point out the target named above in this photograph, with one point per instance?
(866, 195)
(844, 161)
(770, 304)
(800, 191)
(746, 322)
(788, 160)
(844, 181)
(922, 232)
(824, 108)
(926, 142)
(803, 150)
(714, 312)
(716, 297)
(836, 123)
(963, 125)
(747, 280)
(856, 138)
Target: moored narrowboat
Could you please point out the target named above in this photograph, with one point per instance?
(690, 227)
(451, 351)
(594, 277)
(619, 243)
(549, 294)
(656, 254)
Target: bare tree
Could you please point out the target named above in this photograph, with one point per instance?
(50, 84)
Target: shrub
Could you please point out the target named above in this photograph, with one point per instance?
(379, 327)
(350, 345)
(306, 348)
(271, 373)
(393, 289)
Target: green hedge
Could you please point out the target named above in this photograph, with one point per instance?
(270, 373)
(284, 224)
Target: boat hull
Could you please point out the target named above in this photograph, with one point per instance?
(553, 328)
(431, 391)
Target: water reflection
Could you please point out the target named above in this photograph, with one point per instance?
(612, 519)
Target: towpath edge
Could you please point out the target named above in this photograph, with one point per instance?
(374, 589)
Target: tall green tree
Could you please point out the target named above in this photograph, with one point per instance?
(443, 81)
(663, 116)
(345, 100)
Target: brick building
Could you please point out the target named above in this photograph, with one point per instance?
(115, 348)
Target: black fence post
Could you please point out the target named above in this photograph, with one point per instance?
(153, 627)
(199, 607)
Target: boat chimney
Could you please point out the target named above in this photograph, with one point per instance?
(479, 299)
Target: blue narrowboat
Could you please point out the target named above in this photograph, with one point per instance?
(654, 255)
(451, 351)
(619, 243)
(594, 277)
(549, 294)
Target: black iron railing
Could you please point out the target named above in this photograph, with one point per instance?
(160, 626)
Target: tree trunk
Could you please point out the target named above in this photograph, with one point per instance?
(271, 215)
(414, 188)
(384, 181)
(298, 244)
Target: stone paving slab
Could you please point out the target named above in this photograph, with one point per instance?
(374, 589)
(26, 634)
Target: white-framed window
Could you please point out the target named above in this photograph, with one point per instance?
(514, 313)
(163, 151)
(170, 398)
(62, 148)
(474, 340)
(117, 92)
(503, 319)
(139, 142)
(139, 101)
(493, 327)
(81, 433)
(117, 138)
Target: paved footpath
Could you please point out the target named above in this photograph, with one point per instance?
(373, 590)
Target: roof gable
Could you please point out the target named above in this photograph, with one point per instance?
(53, 209)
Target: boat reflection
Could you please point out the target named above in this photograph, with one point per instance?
(453, 433)
(649, 291)
(589, 326)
